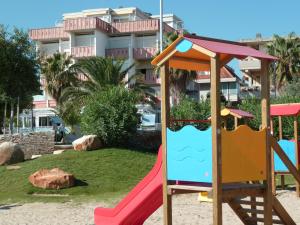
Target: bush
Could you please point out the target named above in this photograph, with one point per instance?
(190, 109)
(253, 106)
(111, 115)
(292, 88)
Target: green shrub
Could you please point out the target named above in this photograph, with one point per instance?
(111, 115)
(253, 106)
(190, 109)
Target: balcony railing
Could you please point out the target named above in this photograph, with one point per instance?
(121, 53)
(86, 23)
(83, 51)
(53, 33)
(144, 53)
(135, 26)
(252, 64)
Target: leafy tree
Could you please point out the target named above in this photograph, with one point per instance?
(287, 50)
(111, 114)
(18, 69)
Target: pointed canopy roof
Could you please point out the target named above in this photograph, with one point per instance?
(192, 52)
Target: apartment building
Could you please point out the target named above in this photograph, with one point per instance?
(199, 89)
(251, 67)
(125, 33)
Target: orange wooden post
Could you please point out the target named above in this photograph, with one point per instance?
(216, 139)
(265, 104)
(165, 122)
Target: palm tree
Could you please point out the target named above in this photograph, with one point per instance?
(179, 79)
(96, 73)
(287, 50)
(59, 74)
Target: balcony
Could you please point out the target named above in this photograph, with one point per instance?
(144, 53)
(53, 33)
(250, 64)
(135, 26)
(152, 80)
(121, 53)
(86, 23)
(83, 51)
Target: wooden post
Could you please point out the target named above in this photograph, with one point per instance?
(280, 127)
(216, 139)
(236, 122)
(272, 161)
(165, 122)
(280, 138)
(265, 104)
(296, 137)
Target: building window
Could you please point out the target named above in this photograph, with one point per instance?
(45, 121)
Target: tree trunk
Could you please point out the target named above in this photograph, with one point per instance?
(4, 117)
(11, 119)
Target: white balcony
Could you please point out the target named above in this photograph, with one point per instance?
(83, 51)
(250, 64)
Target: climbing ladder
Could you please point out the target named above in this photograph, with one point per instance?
(251, 211)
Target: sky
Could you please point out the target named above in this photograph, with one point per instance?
(226, 19)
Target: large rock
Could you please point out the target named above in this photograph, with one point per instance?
(52, 179)
(10, 153)
(87, 143)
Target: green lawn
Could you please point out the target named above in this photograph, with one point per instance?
(102, 175)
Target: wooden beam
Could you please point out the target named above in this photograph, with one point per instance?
(296, 137)
(238, 209)
(280, 127)
(165, 121)
(166, 58)
(205, 51)
(188, 60)
(215, 100)
(265, 104)
(282, 213)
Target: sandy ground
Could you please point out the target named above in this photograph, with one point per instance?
(186, 211)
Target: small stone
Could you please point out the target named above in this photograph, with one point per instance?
(13, 167)
(57, 152)
(35, 156)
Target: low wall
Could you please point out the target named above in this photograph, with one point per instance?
(36, 143)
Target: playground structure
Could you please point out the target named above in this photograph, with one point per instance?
(290, 147)
(235, 166)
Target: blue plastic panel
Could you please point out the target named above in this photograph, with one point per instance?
(184, 46)
(289, 149)
(189, 155)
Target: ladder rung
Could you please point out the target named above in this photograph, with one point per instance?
(254, 211)
(245, 202)
(256, 219)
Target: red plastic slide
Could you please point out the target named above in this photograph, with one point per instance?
(139, 204)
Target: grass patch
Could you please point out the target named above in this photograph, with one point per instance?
(101, 175)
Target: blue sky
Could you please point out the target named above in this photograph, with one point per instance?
(227, 19)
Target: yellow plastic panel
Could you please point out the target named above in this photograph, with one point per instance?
(243, 155)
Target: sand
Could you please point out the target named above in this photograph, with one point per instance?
(186, 211)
